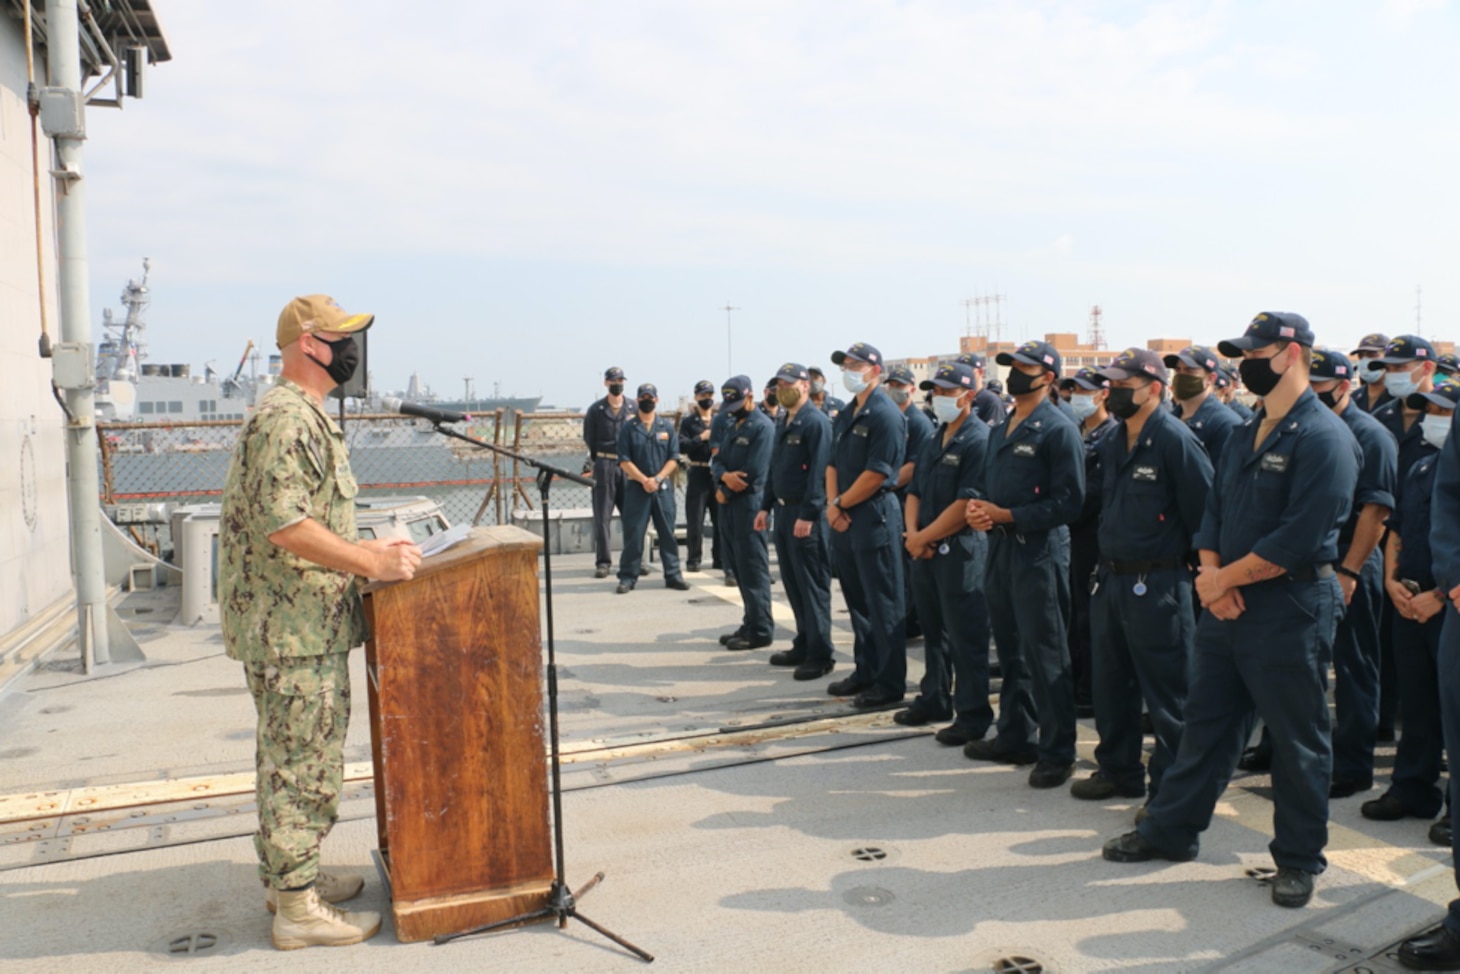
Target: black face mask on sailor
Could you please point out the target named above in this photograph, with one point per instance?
(344, 359)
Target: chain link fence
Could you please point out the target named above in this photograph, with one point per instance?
(149, 469)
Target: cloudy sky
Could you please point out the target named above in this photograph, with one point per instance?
(528, 193)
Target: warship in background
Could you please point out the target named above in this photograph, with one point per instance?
(131, 389)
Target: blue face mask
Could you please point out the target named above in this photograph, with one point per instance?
(1370, 371)
(1435, 429)
(1400, 385)
(1084, 406)
(854, 382)
(946, 408)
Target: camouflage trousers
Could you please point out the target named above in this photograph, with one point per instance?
(303, 707)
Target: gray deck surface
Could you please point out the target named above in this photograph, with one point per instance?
(746, 822)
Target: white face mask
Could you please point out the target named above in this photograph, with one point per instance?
(1400, 385)
(853, 381)
(1436, 428)
(1084, 406)
(946, 408)
(1370, 371)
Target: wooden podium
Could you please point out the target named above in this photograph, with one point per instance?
(461, 793)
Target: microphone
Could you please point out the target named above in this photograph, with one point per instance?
(393, 405)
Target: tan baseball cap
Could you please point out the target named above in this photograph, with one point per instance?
(316, 312)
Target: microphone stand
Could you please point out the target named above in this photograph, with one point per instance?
(562, 902)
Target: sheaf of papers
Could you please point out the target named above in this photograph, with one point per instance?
(438, 543)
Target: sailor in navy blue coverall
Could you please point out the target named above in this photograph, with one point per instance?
(1267, 545)
(1409, 583)
(1034, 485)
(601, 424)
(1439, 949)
(1155, 478)
(866, 522)
(740, 467)
(947, 565)
(795, 498)
(648, 452)
(1361, 570)
(1194, 387)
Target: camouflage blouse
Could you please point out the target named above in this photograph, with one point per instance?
(290, 463)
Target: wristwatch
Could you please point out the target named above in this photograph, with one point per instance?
(1345, 570)
(836, 502)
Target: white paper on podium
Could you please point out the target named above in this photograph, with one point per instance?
(438, 543)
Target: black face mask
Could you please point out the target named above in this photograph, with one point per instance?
(646, 405)
(1332, 397)
(771, 401)
(344, 359)
(705, 403)
(1121, 402)
(615, 388)
(1258, 375)
(1022, 383)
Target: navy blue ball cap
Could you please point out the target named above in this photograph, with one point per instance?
(813, 370)
(950, 375)
(1037, 353)
(1135, 362)
(1195, 357)
(972, 359)
(647, 389)
(902, 375)
(770, 384)
(1088, 379)
(1372, 342)
(793, 372)
(1403, 349)
(1447, 364)
(735, 389)
(704, 387)
(1266, 328)
(1446, 393)
(614, 374)
(858, 352)
(1330, 364)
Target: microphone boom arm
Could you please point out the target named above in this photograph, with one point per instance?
(542, 466)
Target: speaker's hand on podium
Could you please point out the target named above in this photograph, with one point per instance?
(397, 558)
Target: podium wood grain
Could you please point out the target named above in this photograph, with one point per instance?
(455, 669)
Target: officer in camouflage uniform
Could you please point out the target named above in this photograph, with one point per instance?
(291, 613)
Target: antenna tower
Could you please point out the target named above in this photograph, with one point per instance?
(987, 315)
(1097, 330)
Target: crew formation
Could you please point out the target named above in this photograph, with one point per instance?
(1224, 558)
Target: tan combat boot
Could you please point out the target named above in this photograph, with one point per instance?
(331, 889)
(305, 920)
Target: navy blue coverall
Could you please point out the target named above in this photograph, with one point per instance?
(868, 554)
(989, 408)
(746, 446)
(1084, 557)
(1416, 651)
(648, 449)
(948, 587)
(699, 489)
(722, 422)
(1445, 562)
(1154, 497)
(1356, 644)
(1213, 424)
(601, 425)
(919, 432)
(797, 491)
(1037, 472)
(1285, 502)
(1412, 447)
